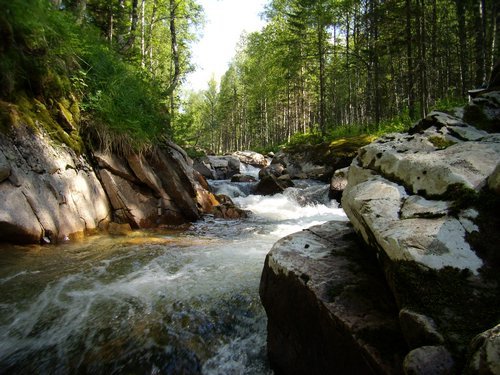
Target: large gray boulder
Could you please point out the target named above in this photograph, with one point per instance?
(50, 193)
(251, 158)
(328, 306)
(426, 201)
(217, 167)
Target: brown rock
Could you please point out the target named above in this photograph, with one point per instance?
(242, 178)
(328, 306)
(270, 185)
(119, 229)
(136, 206)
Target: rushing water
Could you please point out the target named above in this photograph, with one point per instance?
(153, 302)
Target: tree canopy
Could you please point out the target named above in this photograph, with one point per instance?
(329, 66)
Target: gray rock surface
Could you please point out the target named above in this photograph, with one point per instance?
(484, 357)
(328, 306)
(426, 202)
(429, 360)
(270, 184)
(50, 192)
(251, 158)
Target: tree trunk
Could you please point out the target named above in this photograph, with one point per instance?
(174, 81)
(462, 37)
(80, 8)
(143, 32)
(321, 56)
(409, 60)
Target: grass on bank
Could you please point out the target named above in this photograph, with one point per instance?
(358, 134)
(72, 73)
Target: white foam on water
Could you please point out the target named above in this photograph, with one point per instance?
(196, 293)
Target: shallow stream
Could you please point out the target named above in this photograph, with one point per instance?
(153, 302)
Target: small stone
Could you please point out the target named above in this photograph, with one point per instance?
(429, 360)
(119, 229)
(419, 329)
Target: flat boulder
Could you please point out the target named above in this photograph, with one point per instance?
(252, 158)
(329, 308)
(270, 184)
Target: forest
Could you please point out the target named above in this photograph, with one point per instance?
(319, 69)
(325, 68)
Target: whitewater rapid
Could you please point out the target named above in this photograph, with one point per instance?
(183, 301)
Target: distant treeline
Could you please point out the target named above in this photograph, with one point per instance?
(330, 67)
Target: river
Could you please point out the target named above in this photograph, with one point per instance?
(153, 302)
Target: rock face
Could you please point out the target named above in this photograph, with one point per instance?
(50, 194)
(150, 190)
(485, 353)
(47, 191)
(427, 202)
(423, 294)
(329, 308)
(218, 167)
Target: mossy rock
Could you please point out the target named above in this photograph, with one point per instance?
(330, 153)
(36, 116)
(440, 142)
(348, 147)
(462, 305)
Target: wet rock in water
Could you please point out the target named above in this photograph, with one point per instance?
(203, 166)
(226, 209)
(328, 306)
(251, 157)
(338, 184)
(217, 167)
(119, 229)
(276, 170)
(270, 184)
(243, 178)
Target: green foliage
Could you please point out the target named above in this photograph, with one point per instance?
(48, 56)
(345, 68)
(440, 142)
(448, 103)
(299, 139)
(119, 97)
